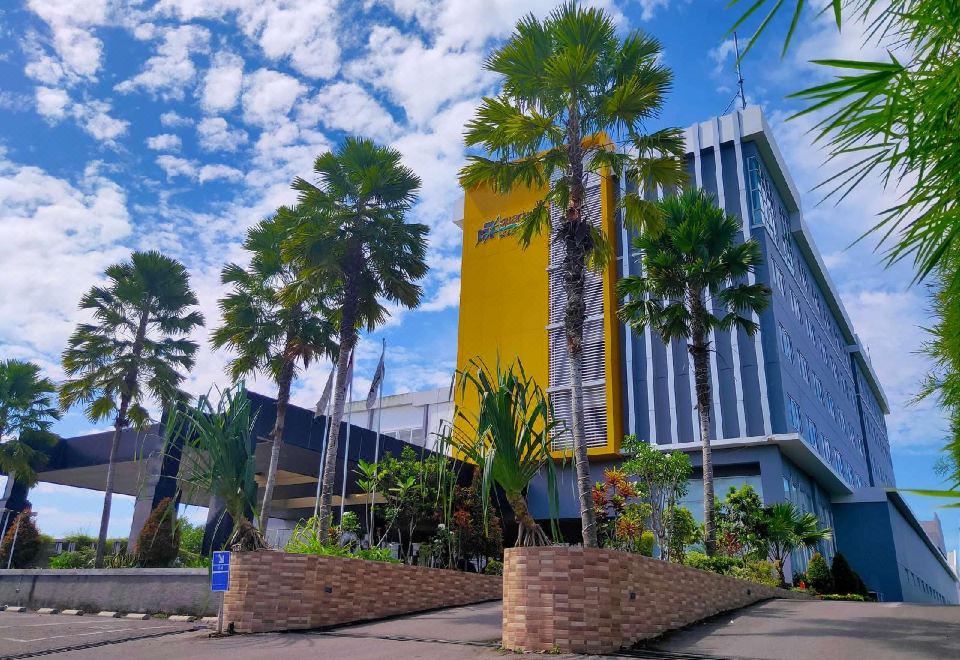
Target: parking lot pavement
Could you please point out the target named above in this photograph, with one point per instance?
(25, 634)
(461, 633)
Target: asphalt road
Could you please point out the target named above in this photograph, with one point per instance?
(824, 630)
(794, 630)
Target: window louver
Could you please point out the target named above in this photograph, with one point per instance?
(594, 374)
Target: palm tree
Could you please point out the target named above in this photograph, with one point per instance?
(270, 330)
(27, 411)
(216, 458)
(354, 242)
(568, 81)
(509, 439)
(787, 528)
(696, 255)
(135, 350)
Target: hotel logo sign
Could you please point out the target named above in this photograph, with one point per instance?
(499, 228)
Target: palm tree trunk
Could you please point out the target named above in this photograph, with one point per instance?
(108, 487)
(129, 382)
(348, 337)
(283, 399)
(700, 350)
(576, 236)
(529, 532)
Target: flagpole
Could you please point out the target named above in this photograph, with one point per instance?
(325, 438)
(376, 447)
(346, 448)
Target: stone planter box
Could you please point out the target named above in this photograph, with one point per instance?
(272, 591)
(577, 600)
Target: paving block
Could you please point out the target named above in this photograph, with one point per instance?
(109, 615)
(72, 612)
(182, 618)
(11, 608)
(139, 616)
(48, 610)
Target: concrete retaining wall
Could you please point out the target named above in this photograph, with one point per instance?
(597, 601)
(169, 590)
(272, 590)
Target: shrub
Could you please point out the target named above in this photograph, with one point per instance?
(493, 567)
(647, 542)
(800, 576)
(855, 597)
(716, 564)
(761, 572)
(305, 540)
(845, 579)
(28, 541)
(159, 540)
(82, 558)
(819, 574)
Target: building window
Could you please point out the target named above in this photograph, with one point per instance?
(795, 306)
(810, 433)
(786, 344)
(779, 278)
(793, 414)
(818, 388)
(804, 367)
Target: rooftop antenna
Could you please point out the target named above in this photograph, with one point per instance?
(743, 98)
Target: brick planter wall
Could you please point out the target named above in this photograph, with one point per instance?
(272, 591)
(596, 600)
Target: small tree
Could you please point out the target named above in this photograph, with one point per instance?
(786, 528)
(739, 523)
(845, 579)
(509, 438)
(28, 541)
(684, 531)
(662, 481)
(476, 539)
(818, 573)
(159, 540)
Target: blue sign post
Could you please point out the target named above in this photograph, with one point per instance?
(220, 580)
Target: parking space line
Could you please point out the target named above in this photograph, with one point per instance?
(96, 632)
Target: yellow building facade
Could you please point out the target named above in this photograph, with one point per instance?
(511, 302)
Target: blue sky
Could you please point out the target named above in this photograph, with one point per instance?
(177, 124)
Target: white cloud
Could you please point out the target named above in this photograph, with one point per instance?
(213, 172)
(78, 52)
(58, 237)
(649, 7)
(94, 117)
(164, 142)
(268, 96)
(175, 166)
(52, 103)
(401, 65)
(167, 73)
(171, 119)
(215, 134)
(446, 297)
(347, 107)
(302, 33)
(221, 84)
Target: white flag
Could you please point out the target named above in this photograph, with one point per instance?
(325, 397)
(377, 379)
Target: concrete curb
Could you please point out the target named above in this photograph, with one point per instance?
(48, 610)
(139, 616)
(209, 620)
(18, 610)
(183, 618)
(72, 612)
(109, 615)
